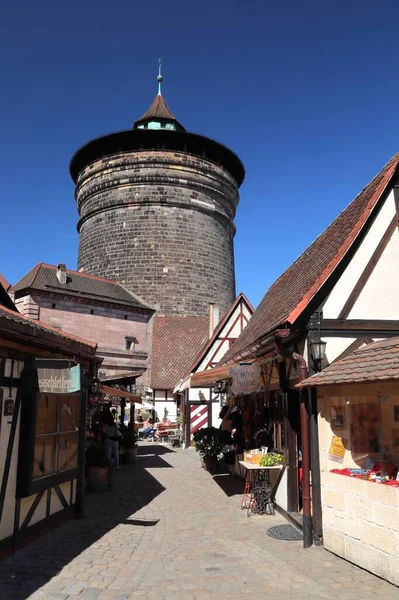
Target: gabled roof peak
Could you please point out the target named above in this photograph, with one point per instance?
(290, 295)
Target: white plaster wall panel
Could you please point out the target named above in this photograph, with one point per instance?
(379, 297)
(348, 279)
(56, 505)
(7, 521)
(25, 505)
(159, 395)
(40, 512)
(194, 394)
(215, 414)
(170, 407)
(222, 349)
(247, 314)
(282, 490)
(335, 346)
(234, 333)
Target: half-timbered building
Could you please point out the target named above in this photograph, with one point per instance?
(202, 403)
(340, 294)
(45, 376)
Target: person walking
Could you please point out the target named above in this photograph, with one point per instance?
(111, 437)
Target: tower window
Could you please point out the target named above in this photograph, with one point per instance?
(130, 343)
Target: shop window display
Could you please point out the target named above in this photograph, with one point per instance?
(365, 437)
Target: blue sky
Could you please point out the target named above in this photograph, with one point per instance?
(306, 93)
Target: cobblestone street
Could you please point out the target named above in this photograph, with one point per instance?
(168, 529)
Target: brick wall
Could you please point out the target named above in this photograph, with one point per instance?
(161, 223)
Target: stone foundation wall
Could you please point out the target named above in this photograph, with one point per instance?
(361, 523)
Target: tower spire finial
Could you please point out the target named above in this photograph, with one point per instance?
(159, 78)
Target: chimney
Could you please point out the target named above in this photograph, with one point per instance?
(213, 318)
(61, 273)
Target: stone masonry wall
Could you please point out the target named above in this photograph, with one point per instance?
(107, 326)
(161, 223)
(361, 523)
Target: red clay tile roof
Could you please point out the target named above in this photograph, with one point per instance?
(3, 281)
(79, 284)
(176, 342)
(289, 296)
(159, 110)
(5, 299)
(374, 362)
(9, 315)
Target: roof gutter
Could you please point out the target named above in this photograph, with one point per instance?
(262, 345)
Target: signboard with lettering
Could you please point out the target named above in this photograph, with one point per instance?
(57, 376)
(337, 449)
(245, 379)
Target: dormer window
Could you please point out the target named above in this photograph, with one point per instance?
(61, 273)
(130, 343)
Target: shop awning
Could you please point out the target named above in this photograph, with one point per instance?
(210, 376)
(185, 384)
(111, 391)
(121, 376)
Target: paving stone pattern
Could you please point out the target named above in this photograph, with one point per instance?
(169, 530)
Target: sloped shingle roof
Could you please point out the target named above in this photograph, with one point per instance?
(374, 362)
(82, 285)
(3, 281)
(288, 297)
(176, 342)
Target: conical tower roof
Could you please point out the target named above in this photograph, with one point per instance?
(159, 115)
(158, 109)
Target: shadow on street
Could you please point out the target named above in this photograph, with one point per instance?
(36, 563)
(230, 484)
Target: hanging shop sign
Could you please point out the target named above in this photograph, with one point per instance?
(245, 379)
(57, 376)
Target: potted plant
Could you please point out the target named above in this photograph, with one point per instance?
(98, 466)
(208, 442)
(130, 446)
(273, 459)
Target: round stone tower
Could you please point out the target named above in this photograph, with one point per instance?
(156, 207)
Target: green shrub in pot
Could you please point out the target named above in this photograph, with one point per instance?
(208, 442)
(273, 459)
